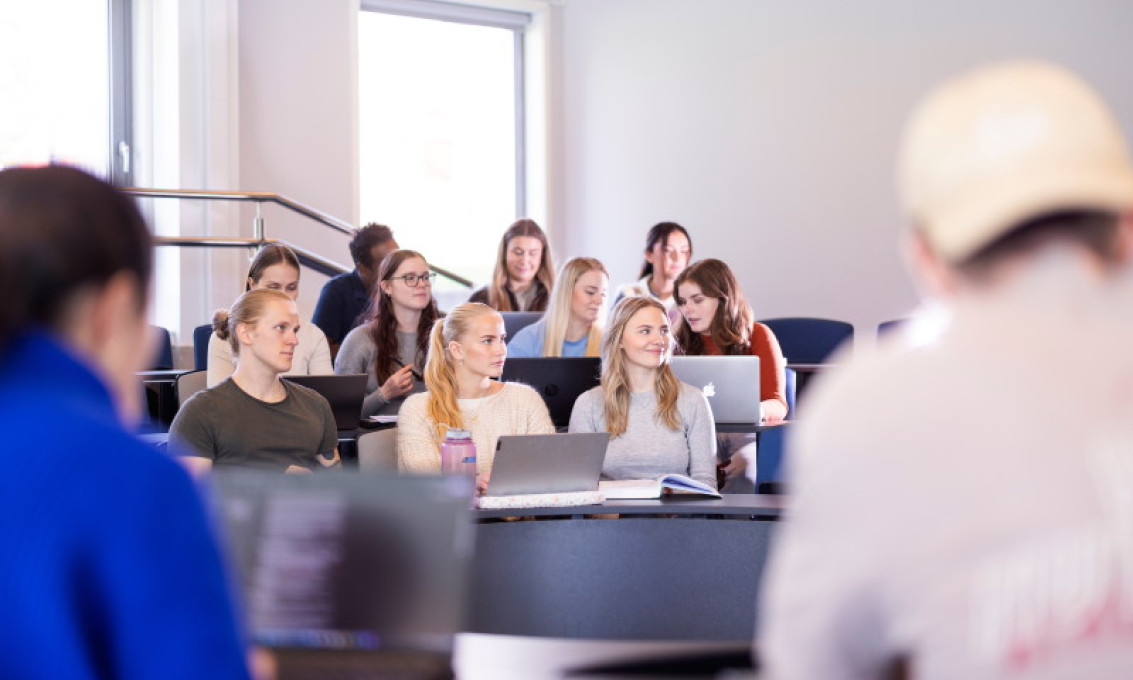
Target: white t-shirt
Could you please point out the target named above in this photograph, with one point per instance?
(968, 503)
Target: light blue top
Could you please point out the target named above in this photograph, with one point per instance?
(528, 342)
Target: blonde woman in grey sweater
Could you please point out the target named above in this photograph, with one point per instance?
(657, 424)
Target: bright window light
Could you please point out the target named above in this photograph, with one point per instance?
(54, 84)
(437, 128)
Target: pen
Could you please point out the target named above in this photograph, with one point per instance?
(413, 372)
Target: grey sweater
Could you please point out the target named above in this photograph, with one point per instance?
(648, 449)
(358, 354)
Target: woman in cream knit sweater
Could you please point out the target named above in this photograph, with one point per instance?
(466, 350)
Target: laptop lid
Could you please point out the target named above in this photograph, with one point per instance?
(731, 384)
(547, 463)
(349, 561)
(559, 380)
(344, 392)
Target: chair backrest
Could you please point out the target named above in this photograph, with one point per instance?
(201, 335)
(807, 340)
(188, 384)
(886, 327)
(789, 387)
(163, 349)
(377, 450)
(514, 321)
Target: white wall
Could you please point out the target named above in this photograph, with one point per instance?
(769, 129)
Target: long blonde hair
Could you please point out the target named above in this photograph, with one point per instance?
(615, 377)
(442, 407)
(558, 310)
(544, 276)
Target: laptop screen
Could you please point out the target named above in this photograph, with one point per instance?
(559, 380)
(349, 560)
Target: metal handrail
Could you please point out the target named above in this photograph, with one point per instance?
(309, 258)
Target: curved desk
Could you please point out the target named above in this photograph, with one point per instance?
(662, 570)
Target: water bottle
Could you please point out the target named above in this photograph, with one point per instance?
(458, 453)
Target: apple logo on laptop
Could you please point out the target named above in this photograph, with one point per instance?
(709, 390)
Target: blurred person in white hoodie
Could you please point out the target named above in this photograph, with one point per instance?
(964, 508)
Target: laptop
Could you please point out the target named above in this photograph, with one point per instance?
(547, 463)
(350, 570)
(344, 392)
(731, 384)
(559, 380)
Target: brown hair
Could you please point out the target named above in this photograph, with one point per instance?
(364, 240)
(730, 327)
(545, 276)
(442, 408)
(615, 378)
(63, 230)
(382, 324)
(659, 233)
(1092, 231)
(248, 309)
(268, 256)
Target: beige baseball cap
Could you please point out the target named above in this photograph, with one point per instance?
(1005, 143)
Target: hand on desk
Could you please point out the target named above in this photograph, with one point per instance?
(482, 483)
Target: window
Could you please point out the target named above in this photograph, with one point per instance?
(56, 83)
(441, 128)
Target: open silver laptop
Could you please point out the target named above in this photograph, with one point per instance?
(731, 384)
(547, 463)
(350, 570)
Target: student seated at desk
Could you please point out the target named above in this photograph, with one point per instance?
(716, 320)
(668, 248)
(571, 327)
(390, 347)
(657, 424)
(110, 568)
(524, 271)
(255, 419)
(466, 351)
(275, 267)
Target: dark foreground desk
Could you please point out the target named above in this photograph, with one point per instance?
(662, 570)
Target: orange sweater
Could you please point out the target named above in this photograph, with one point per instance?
(772, 374)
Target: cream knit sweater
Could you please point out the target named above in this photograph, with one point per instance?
(516, 409)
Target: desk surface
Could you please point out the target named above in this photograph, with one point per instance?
(515, 657)
(763, 506)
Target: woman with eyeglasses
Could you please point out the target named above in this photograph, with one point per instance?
(391, 346)
(275, 267)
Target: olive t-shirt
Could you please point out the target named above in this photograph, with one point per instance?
(230, 427)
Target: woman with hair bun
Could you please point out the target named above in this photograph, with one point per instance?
(466, 351)
(275, 267)
(657, 424)
(253, 418)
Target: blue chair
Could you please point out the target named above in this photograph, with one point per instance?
(515, 321)
(771, 445)
(163, 350)
(201, 335)
(808, 340)
(886, 327)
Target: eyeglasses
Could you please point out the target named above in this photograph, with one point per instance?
(412, 279)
